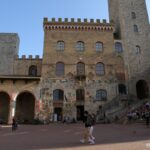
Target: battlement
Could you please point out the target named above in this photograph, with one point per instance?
(73, 20)
(77, 24)
(24, 57)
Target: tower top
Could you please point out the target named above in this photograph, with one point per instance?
(85, 25)
(128, 13)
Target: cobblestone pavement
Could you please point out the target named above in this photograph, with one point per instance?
(66, 137)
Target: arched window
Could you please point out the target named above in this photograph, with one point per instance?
(60, 69)
(58, 95)
(80, 68)
(60, 45)
(135, 28)
(99, 46)
(33, 71)
(133, 14)
(118, 47)
(101, 95)
(80, 46)
(100, 69)
(80, 94)
(138, 49)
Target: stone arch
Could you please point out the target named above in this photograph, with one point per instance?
(4, 107)
(25, 107)
(142, 89)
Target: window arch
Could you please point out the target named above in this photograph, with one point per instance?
(135, 27)
(99, 46)
(80, 68)
(33, 71)
(80, 46)
(133, 14)
(60, 68)
(60, 45)
(101, 95)
(138, 49)
(100, 69)
(118, 47)
(58, 95)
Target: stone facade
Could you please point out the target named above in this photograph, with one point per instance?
(9, 46)
(132, 27)
(85, 66)
(90, 33)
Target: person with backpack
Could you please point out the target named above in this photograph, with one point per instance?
(87, 122)
(93, 122)
(14, 124)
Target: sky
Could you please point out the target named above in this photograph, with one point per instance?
(25, 17)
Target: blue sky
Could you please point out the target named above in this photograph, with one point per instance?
(25, 17)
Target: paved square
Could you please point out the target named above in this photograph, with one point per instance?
(67, 136)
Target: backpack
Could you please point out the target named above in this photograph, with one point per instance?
(147, 114)
(89, 121)
(93, 120)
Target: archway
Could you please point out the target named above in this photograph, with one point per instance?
(25, 107)
(142, 89)
(4, 107)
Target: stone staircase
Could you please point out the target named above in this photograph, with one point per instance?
(117, 108)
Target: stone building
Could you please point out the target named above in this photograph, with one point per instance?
(86, 65)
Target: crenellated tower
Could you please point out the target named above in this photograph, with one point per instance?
(132, 28)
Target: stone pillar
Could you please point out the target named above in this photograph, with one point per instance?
(11, 111)
(12, 108)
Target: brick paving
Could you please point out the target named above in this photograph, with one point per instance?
(66, 137)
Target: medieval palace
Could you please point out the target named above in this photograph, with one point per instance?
(93, 65)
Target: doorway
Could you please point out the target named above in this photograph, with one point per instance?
(142, 89)
(80, 112)
(122, 89)
(58, 113)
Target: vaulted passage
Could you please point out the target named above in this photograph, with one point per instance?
(25, 107)
(142, 89)
(4, 107)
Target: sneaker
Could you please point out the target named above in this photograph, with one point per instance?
(93, 138)
(82, 141)
(92, 142)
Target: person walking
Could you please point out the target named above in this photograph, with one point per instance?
(93, 122)
(87, 123)
(14, 124)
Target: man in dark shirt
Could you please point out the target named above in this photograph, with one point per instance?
(87, 122)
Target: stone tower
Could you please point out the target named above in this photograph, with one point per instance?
(9, 45)
(132, 29)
